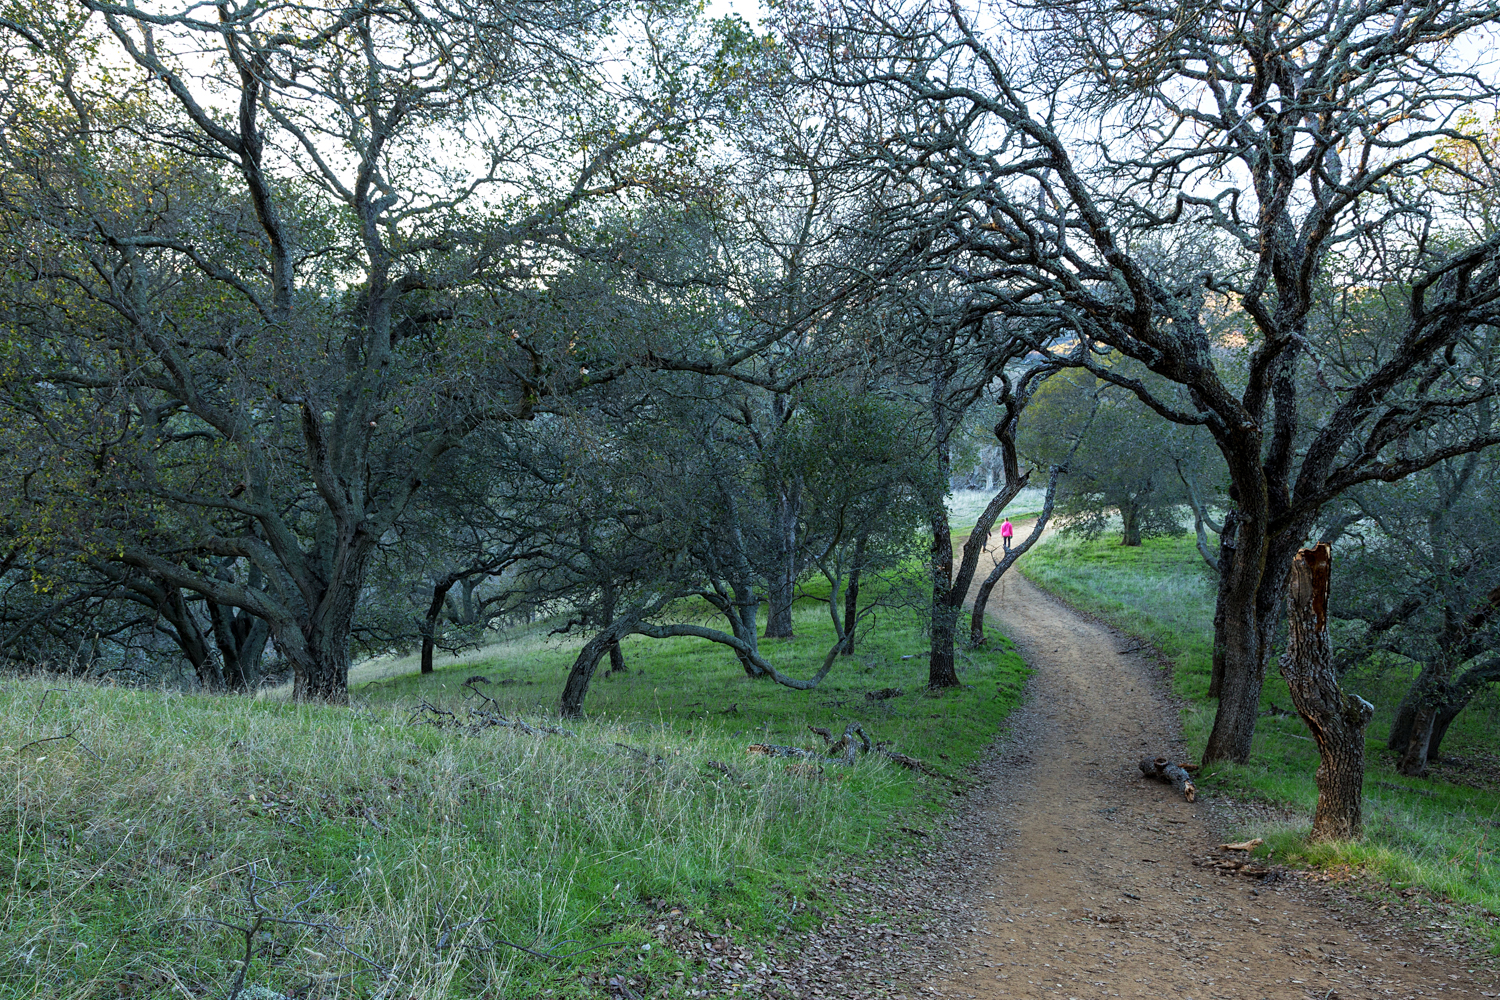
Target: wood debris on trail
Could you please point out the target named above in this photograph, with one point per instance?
(1175, 775)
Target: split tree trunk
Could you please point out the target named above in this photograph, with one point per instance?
(241, 638)
(1337, 720)
(1131, 523)
(1428, 710)
(781, 586)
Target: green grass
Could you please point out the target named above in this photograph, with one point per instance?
(410, 851)
(965, 506)
(1433, 834)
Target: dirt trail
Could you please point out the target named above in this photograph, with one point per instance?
(1094, 892)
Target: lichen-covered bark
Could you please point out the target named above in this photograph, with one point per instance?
(1337, 720)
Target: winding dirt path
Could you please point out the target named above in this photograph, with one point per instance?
(1093, 892)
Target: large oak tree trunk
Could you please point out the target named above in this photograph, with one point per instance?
(941, 668)
(321, 664)
(1252, 601)
(1337, 720)
(1131, 523)
(322, 672)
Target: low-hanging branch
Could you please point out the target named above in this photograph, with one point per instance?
(745, 650)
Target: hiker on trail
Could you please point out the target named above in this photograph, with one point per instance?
(1006, 531)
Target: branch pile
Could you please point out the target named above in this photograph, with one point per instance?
(479, 717)
(1176, 775)
(844, 750)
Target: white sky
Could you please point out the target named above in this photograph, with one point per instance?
(752, 11)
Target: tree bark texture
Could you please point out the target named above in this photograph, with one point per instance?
(1131, 527)
(576, 687)
(851, 595)
(1429, 708)
(430, 621)
(1252, 597)
(781, 586)
(1337, 720)
(941, 668)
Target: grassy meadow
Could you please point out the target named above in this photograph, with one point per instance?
(1433, 834)
(362, 851)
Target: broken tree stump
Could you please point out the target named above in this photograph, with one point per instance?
(1162, 769)
(1335, 719)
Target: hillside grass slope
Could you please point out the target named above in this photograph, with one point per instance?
(151, 841)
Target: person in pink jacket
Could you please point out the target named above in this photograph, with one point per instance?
(1007, 531)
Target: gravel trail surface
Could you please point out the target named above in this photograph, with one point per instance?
(1100, 884)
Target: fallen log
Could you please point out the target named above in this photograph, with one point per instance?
(777, 750)
(1162, 769)
(1233, 866)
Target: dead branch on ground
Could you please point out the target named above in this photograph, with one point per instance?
(1174, 774)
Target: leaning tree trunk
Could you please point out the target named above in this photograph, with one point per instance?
(1015, 551)
(1414, 755)
(430, 620)
(1440, 723)
(1416, 718)
(607, 612)
(576, 687)
(1337, 720)
(1460, 693)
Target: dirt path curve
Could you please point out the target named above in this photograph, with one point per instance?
(1094, 892)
